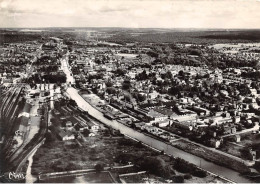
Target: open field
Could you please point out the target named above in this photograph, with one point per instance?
(113, 151)
(68, 155)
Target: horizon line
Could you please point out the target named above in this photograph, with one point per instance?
(193, 28)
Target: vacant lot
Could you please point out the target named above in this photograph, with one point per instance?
(63, 156)
(60, 156)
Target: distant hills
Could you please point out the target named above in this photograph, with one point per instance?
(142, 35)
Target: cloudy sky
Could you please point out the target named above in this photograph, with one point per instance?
(134, 13)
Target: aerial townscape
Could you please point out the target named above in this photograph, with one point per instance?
(122, 110)
(129, 92)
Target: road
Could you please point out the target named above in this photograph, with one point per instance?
(66, 69)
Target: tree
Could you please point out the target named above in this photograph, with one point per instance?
(178, 179)
(153, 54)
(126, 85)
(99, 167)
(120, 72)
(175, 90)
(73, 103)
(157, 166)
(109, 84)
(72, 166)
(181, 73)
(199, 173)
(111, 90)
(49, 137)
(142, 76)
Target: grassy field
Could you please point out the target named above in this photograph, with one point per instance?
(62, 156)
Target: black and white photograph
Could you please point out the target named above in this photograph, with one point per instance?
(130, 92)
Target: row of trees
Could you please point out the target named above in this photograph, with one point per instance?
(49, 78)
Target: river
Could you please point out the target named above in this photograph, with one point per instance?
(209, 166)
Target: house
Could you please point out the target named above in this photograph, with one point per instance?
(131, 74)
(252, 154)
(214, 143)
(153, 95)
(237, 138)
(164, 123)
(68, 125)
(92, 126)
(157, 117)
(64, 136)
(229, 130)
(236, 119)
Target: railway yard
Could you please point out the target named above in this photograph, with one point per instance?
(23, 126)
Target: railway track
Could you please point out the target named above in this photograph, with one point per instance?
(13, 109)
(14, 102)
(10, 100)
(9, 112)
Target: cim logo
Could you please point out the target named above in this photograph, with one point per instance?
(13, 176)
(16, 176)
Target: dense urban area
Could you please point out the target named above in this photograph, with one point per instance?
(97, 106)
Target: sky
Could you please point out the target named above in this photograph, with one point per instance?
(131, 14)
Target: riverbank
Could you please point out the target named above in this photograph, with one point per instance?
(209, 166)
(193, 148)
(210, 155)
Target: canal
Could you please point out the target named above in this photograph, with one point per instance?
(209, 166)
